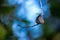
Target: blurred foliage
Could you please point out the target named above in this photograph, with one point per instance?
(2, 32)
(57, 36)
(6, 10)
(55, 8)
